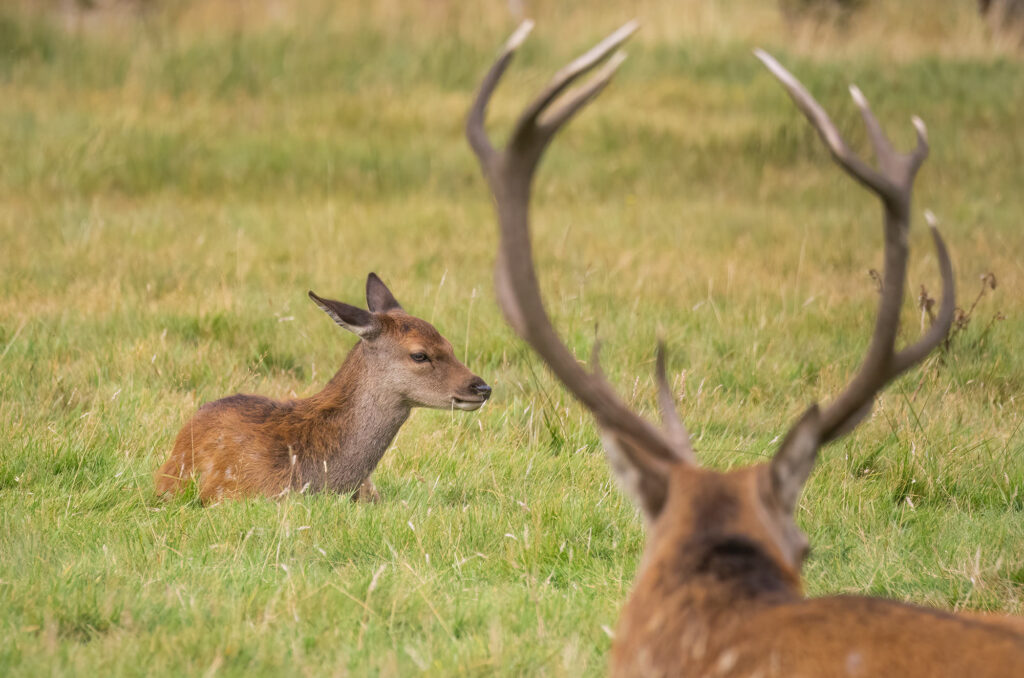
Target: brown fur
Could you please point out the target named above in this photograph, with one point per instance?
(719, 594)
(248, 444)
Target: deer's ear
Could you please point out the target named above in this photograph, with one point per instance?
(378, 297)
(353, 319)
(642, 476)
(793, 463)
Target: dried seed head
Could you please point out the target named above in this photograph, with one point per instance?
(877, 277)
(924, 301)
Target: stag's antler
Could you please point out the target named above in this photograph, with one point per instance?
(509, 173)
(893, 182)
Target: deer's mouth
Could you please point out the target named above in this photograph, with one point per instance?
(468, 404)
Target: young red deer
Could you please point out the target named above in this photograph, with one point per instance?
(718, 592)
(248, 444)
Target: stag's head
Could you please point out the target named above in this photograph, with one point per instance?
(405, 355)
(706, 515)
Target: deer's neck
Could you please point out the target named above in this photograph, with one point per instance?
(349, 425)
(709, 577)
(690, 603)
(736, 570)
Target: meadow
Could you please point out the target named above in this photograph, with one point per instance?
(172, 184)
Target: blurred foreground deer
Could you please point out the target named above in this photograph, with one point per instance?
(248, 444)
(718, 592)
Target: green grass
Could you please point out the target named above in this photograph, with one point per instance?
(171, 187)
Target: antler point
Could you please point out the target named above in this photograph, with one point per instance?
(520, 34)
(772, 64)
(919, 125)
(858, 96)
(789, 82)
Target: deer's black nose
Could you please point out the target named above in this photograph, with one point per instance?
(480, 387)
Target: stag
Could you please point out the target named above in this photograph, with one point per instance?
(248, 444)
(718, 592)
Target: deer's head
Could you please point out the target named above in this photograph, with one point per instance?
(704, 514)
(405, 355)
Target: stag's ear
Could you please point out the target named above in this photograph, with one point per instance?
(641, 475)
(378, 297)
(353, 319)
(792, 464)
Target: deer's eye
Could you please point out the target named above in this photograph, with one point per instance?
(419, 357)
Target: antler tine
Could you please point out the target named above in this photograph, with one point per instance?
(898, 167)
(509, 173)
(821, 121)
(670, 419)
(893, 183)
(475, 131)
(916, 352)
(876, 134)
(529, 120)
(551, 121)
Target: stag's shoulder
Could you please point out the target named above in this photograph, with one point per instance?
(894, 631)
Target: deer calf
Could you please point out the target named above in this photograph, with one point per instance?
(248, 444)
(718, 593)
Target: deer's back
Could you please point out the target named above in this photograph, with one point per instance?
(236, 445)
(857, 636)
(818, 638)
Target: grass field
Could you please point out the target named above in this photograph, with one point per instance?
(171, 186)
